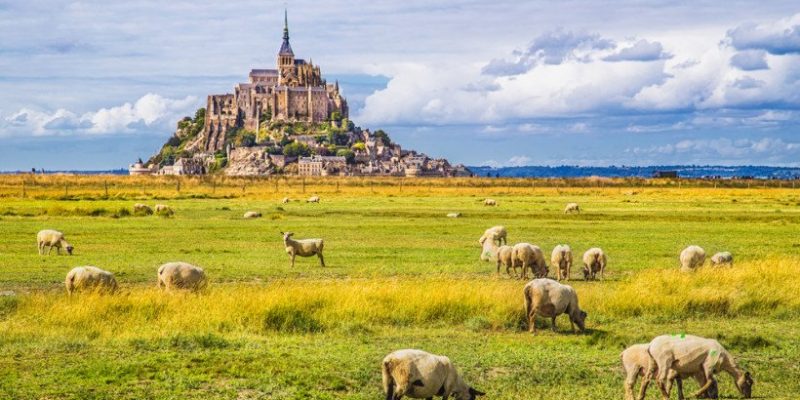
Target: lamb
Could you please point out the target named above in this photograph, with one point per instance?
(489, 249)
(722, 258)
(422, 375)
(571, 208)
(687, 355)
(636, 361)
(285, 200)
(594, 260)
(51, 238)
(313, 199)
(550, 299)
(163, 209)
(181, 275)
(490, 202)
(692, 257)
(497, 234)
(561, 258)
(251, 214)
(529, 256)
(91, 279)
(503, 256)
(142, 209)
(303, 247)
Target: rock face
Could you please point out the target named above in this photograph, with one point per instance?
(249, 161)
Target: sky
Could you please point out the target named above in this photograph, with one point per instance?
(97, 84)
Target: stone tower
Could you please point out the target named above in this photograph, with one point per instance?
(285, 54)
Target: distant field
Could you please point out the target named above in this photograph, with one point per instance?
(400, 274)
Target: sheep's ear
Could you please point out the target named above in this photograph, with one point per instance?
(475, 392)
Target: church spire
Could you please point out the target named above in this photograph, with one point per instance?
(286, 49)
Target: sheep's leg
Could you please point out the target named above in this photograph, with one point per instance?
(553, 324)
(293, 256)
(630, 380)
(321, 260)
(532, 321)
(679, 382)
(58, 250)
(498, 266)
(49, 249)
(648, 376)
(709, 382)
(40, 246)
(663, 377)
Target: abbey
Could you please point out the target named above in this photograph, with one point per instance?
(293, 92)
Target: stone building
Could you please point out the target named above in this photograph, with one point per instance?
(321, 165)
(292, 92)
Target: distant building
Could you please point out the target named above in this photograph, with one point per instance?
(138, 168)
(665, 174)
(321, 165)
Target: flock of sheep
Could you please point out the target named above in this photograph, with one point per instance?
(417, 374)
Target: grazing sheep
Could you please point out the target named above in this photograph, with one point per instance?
(636, 361)
(594, 260)
(51, 238)
(490, 202)
(489, 249)
(422, 375)
(571, 208)
(162, 209)
(692, 257)
(687, 355)
(503, 256)
(722, 258)
(303, 247)
(285, 200)
(454, 215)
(497, 234)
(561, 259)
(142, 209)
(251, 214)
(181, 275)
(90, 279)
(529, 256)
(313, 199)
(550, 299)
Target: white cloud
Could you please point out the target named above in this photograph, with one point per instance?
(151, 113)
(514, 161)
(766, 148)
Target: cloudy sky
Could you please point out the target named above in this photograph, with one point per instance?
(95, 84)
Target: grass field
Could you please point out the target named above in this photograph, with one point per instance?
(399, 275)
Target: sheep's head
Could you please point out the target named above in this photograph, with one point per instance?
(468, 393)
(69, 249)
(585, 273)
(287, 235)
(745, 385)
(580, 320)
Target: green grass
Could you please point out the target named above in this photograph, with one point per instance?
(400, 274)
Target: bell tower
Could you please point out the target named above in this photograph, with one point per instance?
(285, 54)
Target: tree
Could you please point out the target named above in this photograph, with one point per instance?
(359, 146)
(245, 139)
(383, 136)
(296, 149)
(348, 154)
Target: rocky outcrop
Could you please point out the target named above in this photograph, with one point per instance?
(249, 161)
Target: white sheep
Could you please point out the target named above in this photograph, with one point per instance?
(251, 214)
(561, 259)
(594, 261)
(313, 199)
(503, 257)
(488, 249)
(91, 279)
(490, 202)
(142, 209)
(454, 215)
(163, 209)
(692, 257)
(529, 256)
(51, 238)
(285, 200)
(636, 362)
(687, 355)
(497, 234)
(303, 247)
(722, 258)
(571, 208)
(422, 375)
(550, 299)
(181, 275)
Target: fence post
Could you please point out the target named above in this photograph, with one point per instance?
(337, 186)
(23, 189)
(213, 186)
(401, 184)
(304, 185)
(105, 188)
(178, 185)
(66, 189)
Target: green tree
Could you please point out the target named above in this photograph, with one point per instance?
(296, 149)
(359, 146)
(383, 136)
(245, 139)
(348, 154)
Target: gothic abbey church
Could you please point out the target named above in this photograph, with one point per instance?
(294, 92)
